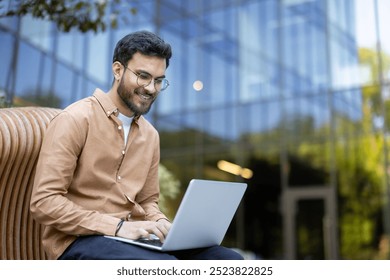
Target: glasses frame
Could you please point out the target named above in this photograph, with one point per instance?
(162, 80)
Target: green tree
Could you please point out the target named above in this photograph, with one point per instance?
(375, 63)
(359, 159)
(169, 189)
(69, 14)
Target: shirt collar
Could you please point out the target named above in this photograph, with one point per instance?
(107, 104)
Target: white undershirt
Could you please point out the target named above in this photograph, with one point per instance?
(126, 123)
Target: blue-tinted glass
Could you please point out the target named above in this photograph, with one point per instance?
(28, 67)
(384, 23)
(47, 76)
(219, 91)
(80, 87)
(70, 49)
(98, 65)
(171, 100)
(10, 23)
(348, 103)
(89, 89)
(6, 53)
(218, 123)
(64, 84)
(37, 32)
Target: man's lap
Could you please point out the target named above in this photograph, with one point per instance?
(96, 247)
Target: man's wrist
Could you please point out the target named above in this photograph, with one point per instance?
(118, 227)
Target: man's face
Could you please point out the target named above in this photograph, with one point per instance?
(140, 98)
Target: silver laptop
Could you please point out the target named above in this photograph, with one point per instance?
(202, 219)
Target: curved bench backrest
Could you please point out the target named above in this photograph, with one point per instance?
(21, 132)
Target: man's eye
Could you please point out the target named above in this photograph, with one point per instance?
(158, 81)
(144, 76)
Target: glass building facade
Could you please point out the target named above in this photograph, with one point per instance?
(289, 96)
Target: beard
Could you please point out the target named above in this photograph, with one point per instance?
(128, 97)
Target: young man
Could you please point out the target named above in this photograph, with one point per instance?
(97, 172)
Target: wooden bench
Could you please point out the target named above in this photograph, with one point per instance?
(21, 132)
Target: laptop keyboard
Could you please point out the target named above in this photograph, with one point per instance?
(154, 242)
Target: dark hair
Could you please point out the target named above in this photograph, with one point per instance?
(144, 42)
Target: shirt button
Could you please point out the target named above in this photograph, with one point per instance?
(119, 177)
(123, 152)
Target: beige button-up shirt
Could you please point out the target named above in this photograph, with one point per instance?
(87, 178)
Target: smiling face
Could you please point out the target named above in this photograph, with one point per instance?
(136, 98)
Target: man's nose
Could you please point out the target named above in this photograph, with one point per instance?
(150, 87)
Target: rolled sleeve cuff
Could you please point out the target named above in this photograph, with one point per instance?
(108, 225)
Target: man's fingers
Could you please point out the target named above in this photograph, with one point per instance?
(143, 229)
(142, 233)
(164, 226)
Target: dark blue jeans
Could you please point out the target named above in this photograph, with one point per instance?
(96, 247)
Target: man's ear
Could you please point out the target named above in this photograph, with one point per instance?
(117, 70)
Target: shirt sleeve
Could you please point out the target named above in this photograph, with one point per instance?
(61, 146)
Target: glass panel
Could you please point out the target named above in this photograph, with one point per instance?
(6, 53)
(10, 23)
(27, 72)
(352, 36)
(172, 99)
(384, 23)
(71, 47)
(218, 122)
(46, 82)
(63, 87)
(99, 60)
(37, 31)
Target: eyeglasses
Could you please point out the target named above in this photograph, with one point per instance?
(144, 79)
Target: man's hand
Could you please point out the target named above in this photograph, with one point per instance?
(143, 229)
